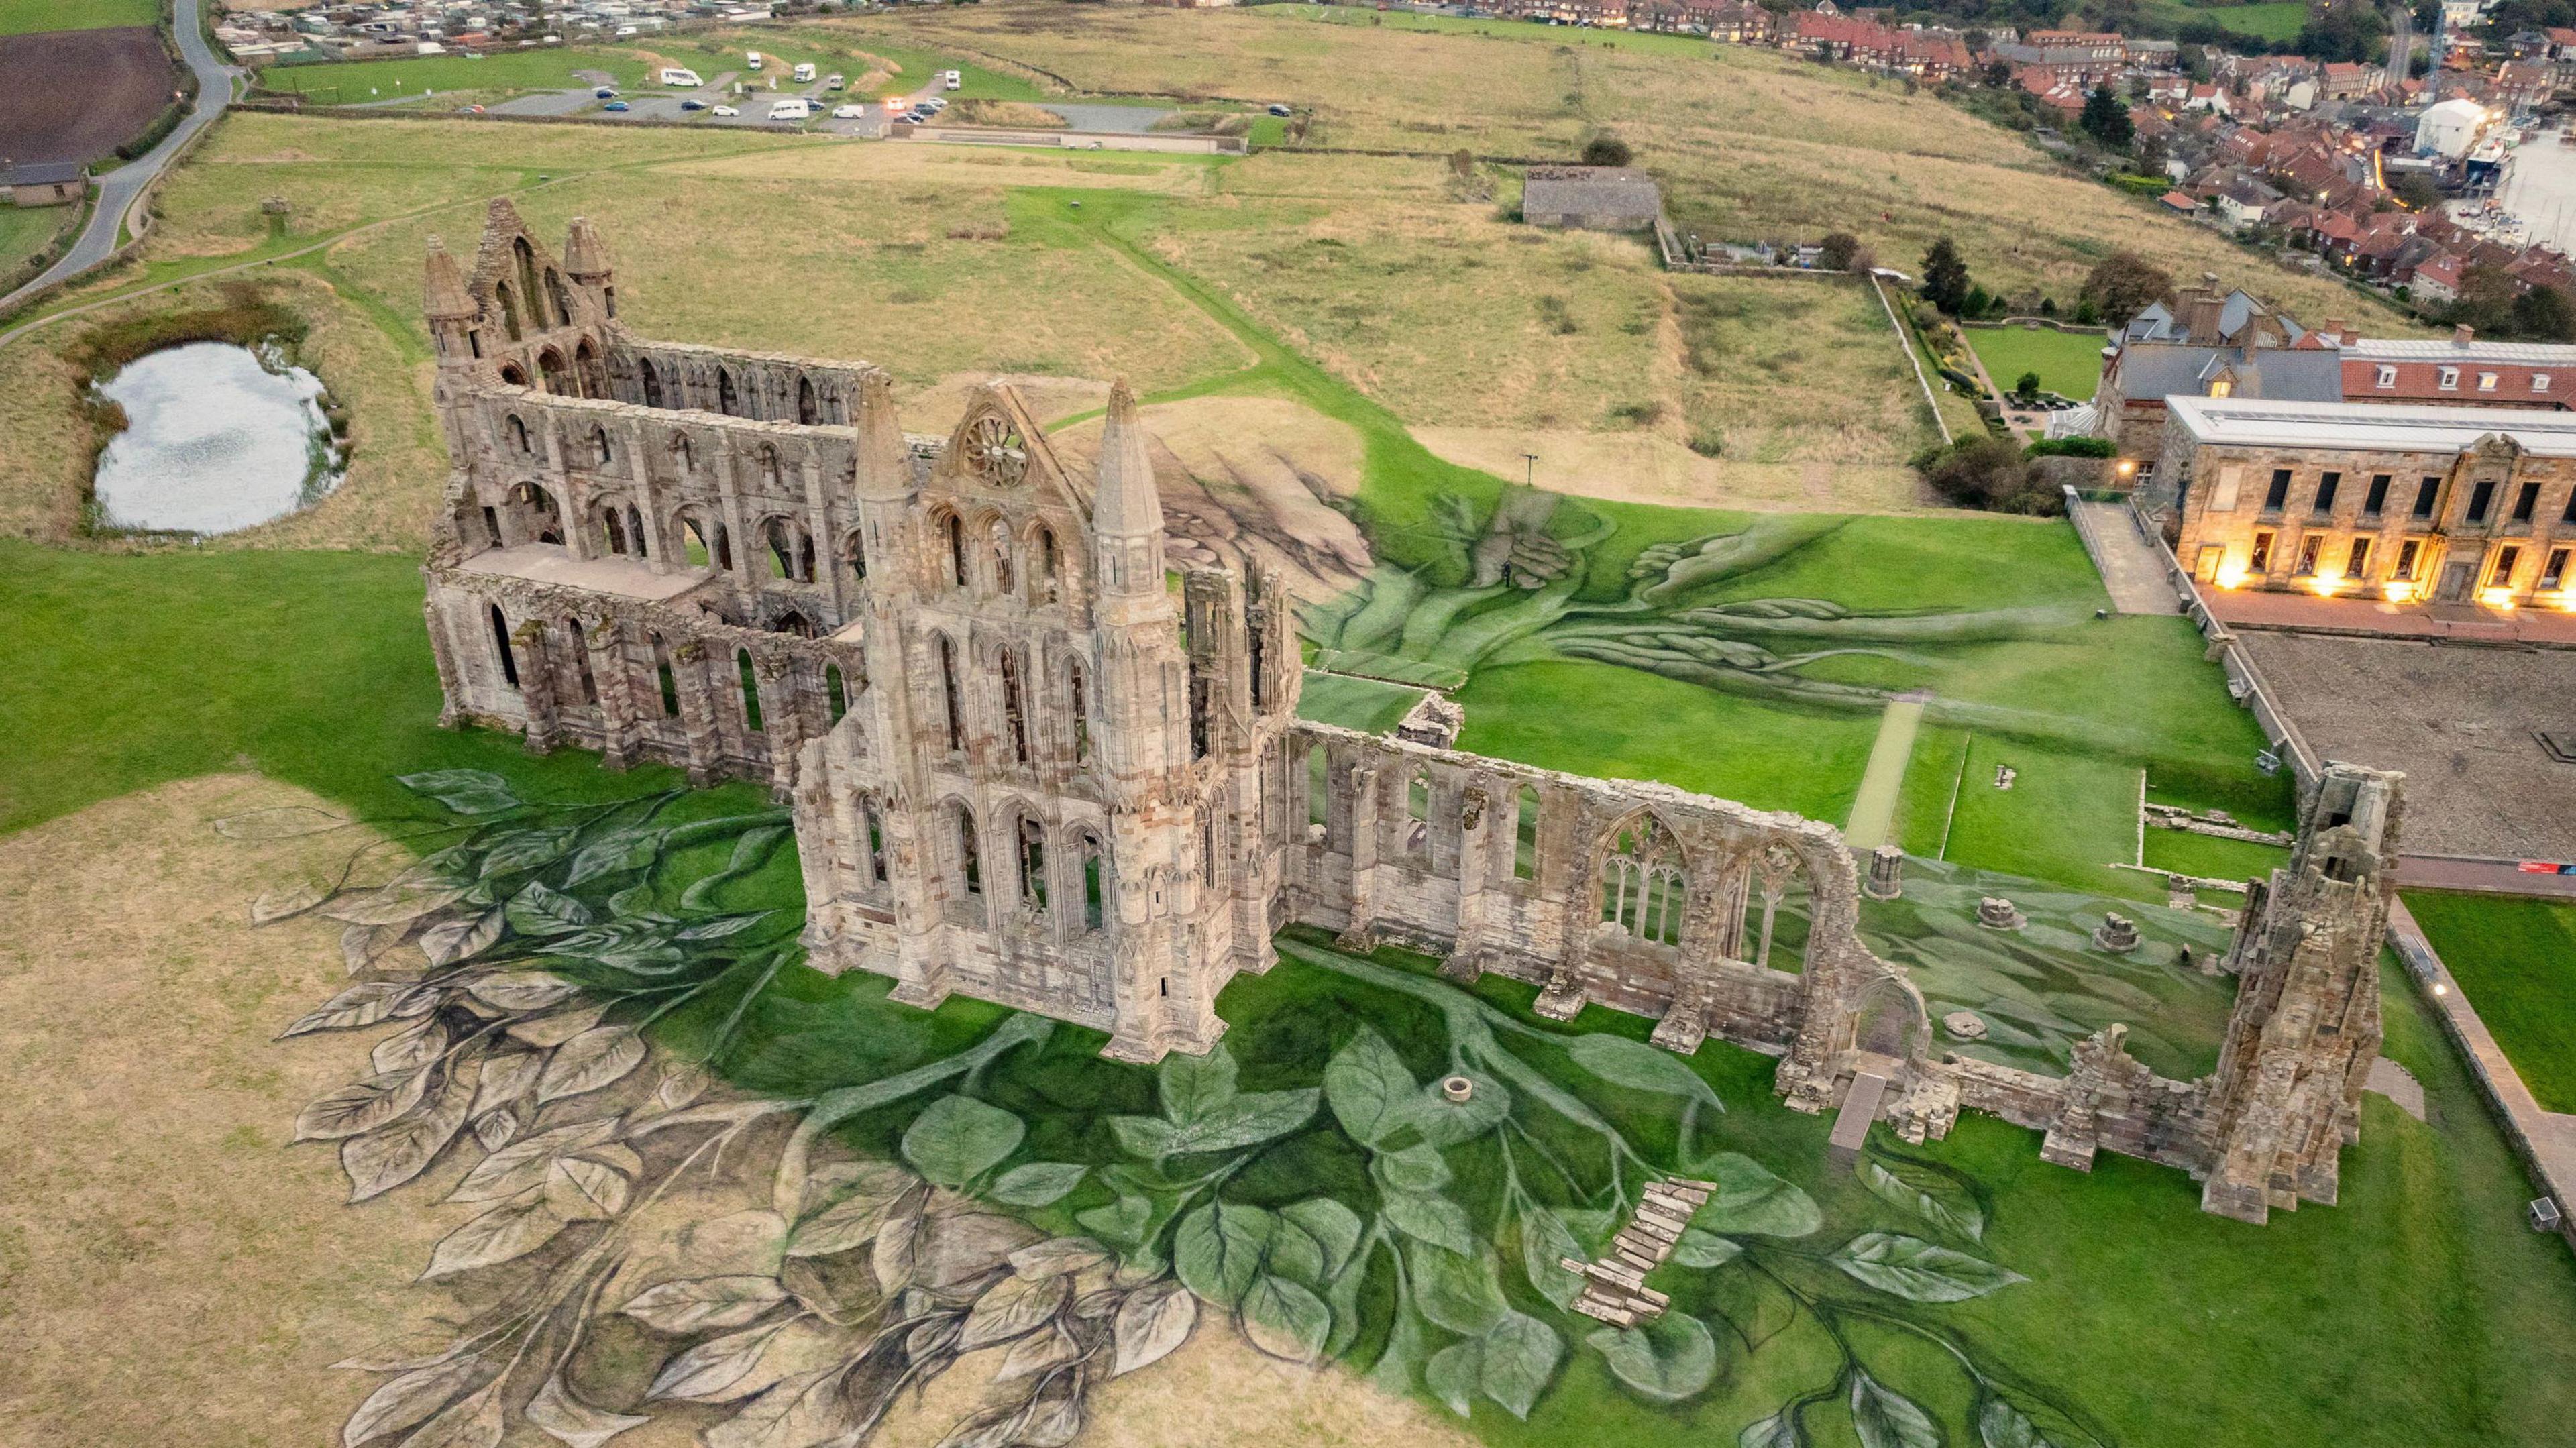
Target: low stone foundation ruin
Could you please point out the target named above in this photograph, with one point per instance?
(1026, 768)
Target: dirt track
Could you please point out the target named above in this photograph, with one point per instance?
(76, 95)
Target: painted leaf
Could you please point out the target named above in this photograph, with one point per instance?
(1285, 1319)
(1012, 1308)
(1334, 1227)
(1460, 1291)
(548, 1031)
(1418, 1168)
(852, 1218)
(1749, 1199)
(631, 848)
(522, 1164)
(1038, 1183)
(522, 850)
(1122, 1221)
(410, 1048)
(1057, 1256)
(286, 822)
(394, 1153)
(1545, 1242)
(1780, 1430)
(1153, 1320)
(571, 1421)
(272, 906)
(1193, 1086)
(1666, 1361)
(360, 945)
(1885, 1418)
(362, 1106)
(722, 926)
(466, 791)
(1371, 1091)
(708, 1372)
(452, 941)
(497, 1129)
(697, 1304)
(581, 1189)
(363, 1004)
(1436, 1220)
(1218, 1248)
(595, 1058)
(395, 904)
(406, 1400)
(959, 1137)
(1919, 1271)
(1934, 1195)
(1520, 1354)
(513, 1229)
(540, 910)
(1700, 1247)
(473, 1421)
(680, 1085)
(1638, 1066)
(521, 990)
(2001, 1425)
(507, 1078)
(1452, 1375)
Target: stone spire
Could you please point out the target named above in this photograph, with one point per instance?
(1125, 504)
(446, 299)
(884, 459)
(585, 254)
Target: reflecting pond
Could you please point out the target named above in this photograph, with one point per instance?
(218, 437)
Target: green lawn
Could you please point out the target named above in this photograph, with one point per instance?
(349, 82)
(25, 230)
(2274, 20)
(2069, 364)
(29, 17)
(2516, 960)
(2213, 858)
(1367, 705)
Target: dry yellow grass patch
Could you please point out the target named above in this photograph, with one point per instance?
(943, 165)
(170, 1272)
(1638, 467)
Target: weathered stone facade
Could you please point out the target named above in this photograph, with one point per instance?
(1025, 767)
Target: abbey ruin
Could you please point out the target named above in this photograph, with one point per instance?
(1026, 767)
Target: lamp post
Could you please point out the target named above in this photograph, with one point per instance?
(1529, 471)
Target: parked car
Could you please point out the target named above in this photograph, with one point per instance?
(935, 104)
(676, 75)
(1280, 110)
(836, 81)
(605, 92)
(951, 79)
(617, 106)
(724, 111)
(693, 104)
(848, 113)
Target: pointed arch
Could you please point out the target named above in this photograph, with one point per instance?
(635, 532)
(727, 401)
(1417, 815)
(806, 411)
(952, 532)
(769, 473)
(1644, 880)
(1046, 567)
(950, 696)
(836, 695)
(751, 719)
(1095, 882)
(561, 299)
(612, 529)
(1015, 718)
(1077, 704)
(997, 537)
(589, 371)
(534, 299)
(517, 432)
(550, 368)
(1525, 833)
(509, 311)
(969, 856)
(682, 455)
(662, 675)
(652, 382)
(600, 454)
(501, 643)
(579, 648)
(1779, 907)
(1032, 862)
(854, 553)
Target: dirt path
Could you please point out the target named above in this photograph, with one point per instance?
(1873, 811)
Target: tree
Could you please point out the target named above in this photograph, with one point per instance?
(1945, 276)
(1606, 149)
(2419, 191)
(2153, 153)
(1985, 472)
(2026, 387)
(2543, 314)
(2105, 119)
(2121, 285)
(1838, 249)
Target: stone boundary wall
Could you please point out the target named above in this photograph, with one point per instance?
(2545, 1153)
(2050, 323)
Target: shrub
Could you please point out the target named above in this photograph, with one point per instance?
(2071, 447)
(1708, 442)
(1606, 149)
(1986, 472)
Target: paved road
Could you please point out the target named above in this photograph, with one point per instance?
(118, 189)
(2132, 570)
(1108, 120)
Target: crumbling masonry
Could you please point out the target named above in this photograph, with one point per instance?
(1026, 768)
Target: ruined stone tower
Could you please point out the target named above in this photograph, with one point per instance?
(2287, 1095)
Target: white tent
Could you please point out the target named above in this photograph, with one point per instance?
(2450, 128)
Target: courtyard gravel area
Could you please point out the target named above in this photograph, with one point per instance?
(2461, 720)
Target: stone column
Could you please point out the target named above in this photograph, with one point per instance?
(697, 711)
(614, 673)
(1361, 933)
(537, 684)
(740, 574)
(648, 500)
(818, 521)
(442, 651)
(1478, 825)
(1886, 873)
(780, 688)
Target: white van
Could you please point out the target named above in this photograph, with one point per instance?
(804, 72)
(836, 81)
(951, 79)
(674, 75)
(752, 58)
(795, 109)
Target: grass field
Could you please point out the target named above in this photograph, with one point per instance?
(26, 230)
(1367, 705)
(30, 17)
(2515, 959)
(354, 81)
(2068, 364)
(2277, 20)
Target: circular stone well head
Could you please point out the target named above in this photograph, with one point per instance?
(1457, 1088)
(1964, 1025)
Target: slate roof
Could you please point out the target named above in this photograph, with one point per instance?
(43, 173)
(1591, 191)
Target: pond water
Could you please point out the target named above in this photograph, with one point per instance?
(218, 437)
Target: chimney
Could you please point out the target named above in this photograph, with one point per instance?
(2334, 329)
(2462, 335)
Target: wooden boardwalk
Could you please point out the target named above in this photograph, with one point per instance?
(1614, 1288)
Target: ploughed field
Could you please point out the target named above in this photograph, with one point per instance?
(76, 95)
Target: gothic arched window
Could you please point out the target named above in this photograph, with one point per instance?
(1643, 887)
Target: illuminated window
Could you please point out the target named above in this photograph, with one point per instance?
(2502, 574)
(2540, 382)
(2407, 552)
(2309, 548)
(2358, 565)
(2261, 561)
(2554, 575)
(2486, 382)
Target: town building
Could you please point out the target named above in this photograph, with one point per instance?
(1594, 198)
(51, 183)
(2450, 504)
